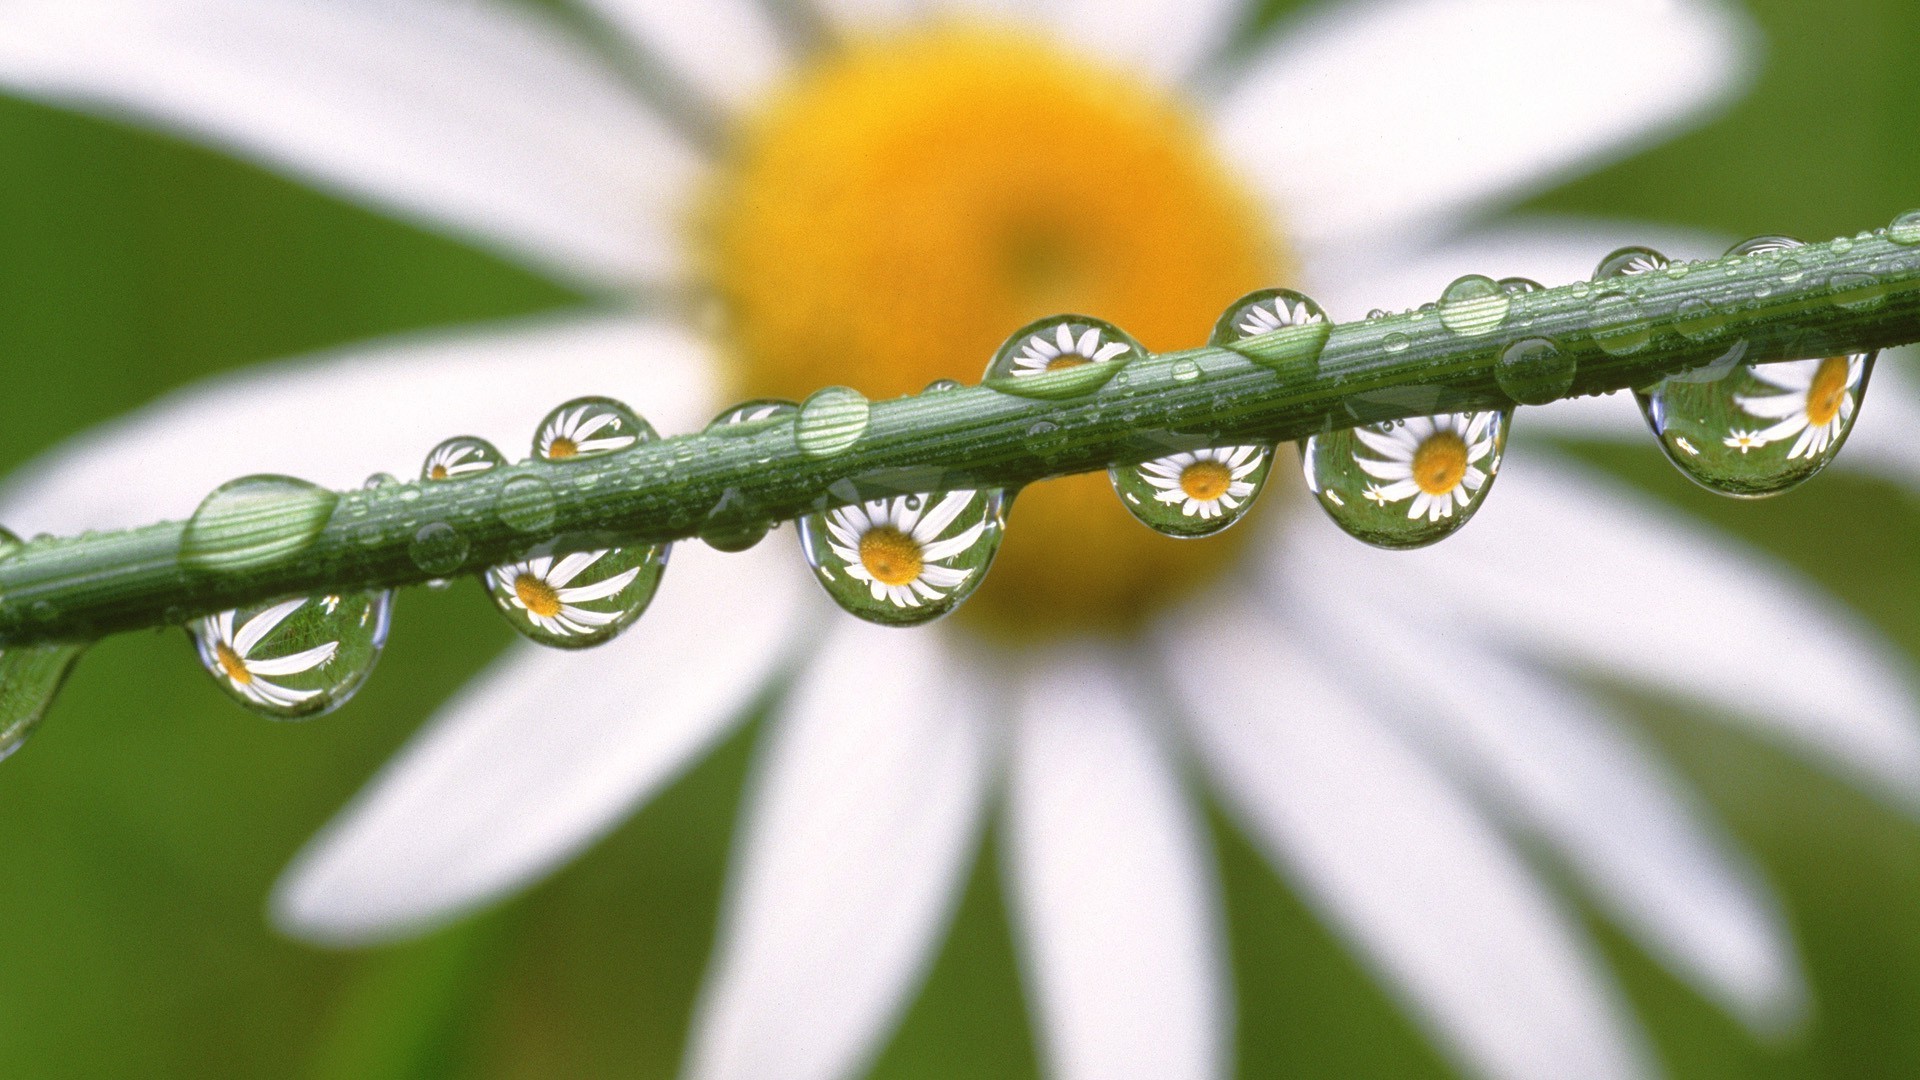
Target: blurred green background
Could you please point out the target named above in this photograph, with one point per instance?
(142, 826)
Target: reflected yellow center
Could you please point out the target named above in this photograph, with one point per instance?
(539, 597)
(231, 663)
(562, 447)
(1827, 391)
(1440, 463)
(891, 556)
(1205, 480)
(438, 472)
(907, 203)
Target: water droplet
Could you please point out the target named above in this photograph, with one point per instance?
(526, 503)
(1697, 320)
(1396, 342)
(462, 455)
(941, 386)
(30, 677)
(1533, 371)
(831, 421)
(1185, 371)
(891, 563)
(588, 427)
(1628, 262)
(438, 548)
(1406, 483)
(1757, 429)
(1764, 245)
(254, 521)
(732, 420)
(1277, 328)
(1192, 494)
(1519, 286)
(1856, 291)
(379, 480)
(739, 536)
(1840, 244)
(1905, 229)
(1473, 305)
(1064, 356)
(577, 599)
(1620, 326)
(298, 658)
(1377, 314)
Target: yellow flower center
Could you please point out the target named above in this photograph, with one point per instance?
(891, 556)
(907, 203)
(562, 447)
(539, 597)
(231, 663)
(1827, 391)
(1205, 480)
(1440, 463)
(438, 472)
(1066, 360)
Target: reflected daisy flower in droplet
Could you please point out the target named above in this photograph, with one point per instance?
(1429, 459)
(452, 458)
(1741, 440)
(1041, 354)
(571, 433)
(540, 587)
(1204, 483)
(898, 551)
(228, 652)
(964, 171)
(1818, 401)
(1275, 314)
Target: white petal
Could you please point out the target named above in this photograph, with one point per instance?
(1548, 759)
(1377, 119)
(1570, 569)
(481, 118)
(1167, 40)
(545, 752)
(381, 407)
(1111, 883)
(258, 627)
(864, 814)
(730, 49)
(1397, 861)
(295, 663)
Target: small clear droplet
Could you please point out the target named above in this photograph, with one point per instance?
(1630, 262)
(1905, 229)
(1764, 245)
(1519, 286)
(897, 563)
(438, 548)
(1697, 320)
(1277, 328)
(831, 421)
(736, 418)
(1856, 291)
(1757, 429)
(1406, 483)
(577, 599)
(379, 480)
(526, 503)
(1063, 356)
(1185, 371)
(739, 536)
(1376, 314)
(1473, 305)
(1195, 493)
(295, 659)
(1535, 371)
(589, 427)
(1396, 342)
(941, 386)
(462, 455)
(254, 521)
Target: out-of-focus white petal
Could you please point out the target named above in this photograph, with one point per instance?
(545, 752)
(1568, 568)
(730, 49)
(476, 117)
(861, 820)
(1554, 765)
(336, 417)
(1395, 858)
(1111, 883)
(1376, 119)
(1163, 39)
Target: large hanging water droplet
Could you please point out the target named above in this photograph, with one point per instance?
(254, 521)
(1406, 483)
(741, 419)
(1276, 328)
(1474, 305)
(578, 599)
(1063, 356)
(1194, 493)
(905, 560)
(298, 658)
(588, 427)
(831, 421)
(462, 455)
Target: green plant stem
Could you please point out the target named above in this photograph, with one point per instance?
(1826, 299)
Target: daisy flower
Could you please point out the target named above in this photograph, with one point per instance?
(962, 170)
(1816, 405)
(1038, 354)
(539, 587)
(1204, 483)
(1432, 460)
(228, 653)
(897, 550)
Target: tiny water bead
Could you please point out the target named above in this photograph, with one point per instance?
(1278, 328)
(1406, 483)
(831, 421)
(740, 537)
(905, 560)
(1195, 493)
(1474, 305)
(577, 599)
(462, 455)
(253, 521)
(588, 427)
(298, 658)
(1063, 356)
